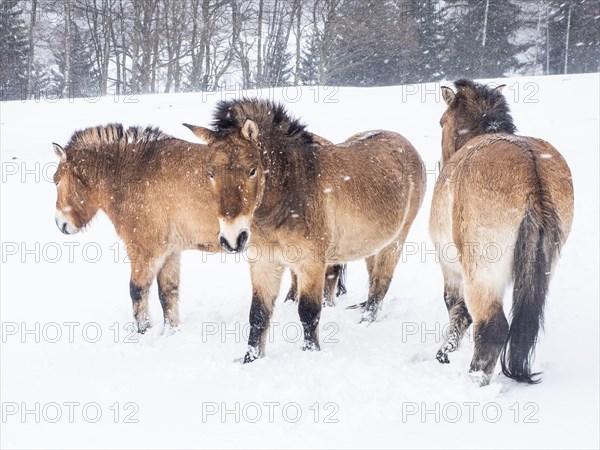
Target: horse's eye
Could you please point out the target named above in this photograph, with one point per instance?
(252, 173)
(211, 175)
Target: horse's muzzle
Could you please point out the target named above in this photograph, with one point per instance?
(63, 224)
(240, 243)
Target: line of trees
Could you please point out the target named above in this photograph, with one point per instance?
(97, 47)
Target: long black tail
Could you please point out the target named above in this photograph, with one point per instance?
(538, 245)
(341, 284)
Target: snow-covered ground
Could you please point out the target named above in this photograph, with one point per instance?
(73, 376)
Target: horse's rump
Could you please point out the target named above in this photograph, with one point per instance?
(370, 185)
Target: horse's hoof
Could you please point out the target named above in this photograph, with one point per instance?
(357, 306)
(248, 358)
(442, 357)
(311, 347)
(170, 330)
(340, 292)
(143, 327)
(449, 346)
(480, 378)
(368, 316)
(251, 355)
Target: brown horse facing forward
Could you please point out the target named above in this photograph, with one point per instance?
(153, 188)
(510, 193)
(329, 203)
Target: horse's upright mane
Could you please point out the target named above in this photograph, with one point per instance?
(269, 116)
(486, 105)
(115, 133)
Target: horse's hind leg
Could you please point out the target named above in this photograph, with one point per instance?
(292, 294)
(341, 284)
(459, 316)
(266, 280)
(168, 289)
(381, 271)
(370, 262)
(490, 328)
(332, 277)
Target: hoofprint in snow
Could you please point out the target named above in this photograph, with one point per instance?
(73, 375)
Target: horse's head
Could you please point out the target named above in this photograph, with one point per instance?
(236, 178)
(472, 110)
(76, 202)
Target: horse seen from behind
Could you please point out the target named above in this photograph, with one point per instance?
(502, 191)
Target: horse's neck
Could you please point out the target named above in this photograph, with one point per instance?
(449, 149)
(288, 190)
(109, 179)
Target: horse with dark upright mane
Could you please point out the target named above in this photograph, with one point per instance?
(500, 191)
(308, 206)
(153, 188)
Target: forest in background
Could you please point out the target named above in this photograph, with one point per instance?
(87, 48)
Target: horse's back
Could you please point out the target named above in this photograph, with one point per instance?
(166, 198)
(386, 150)
(495, 171)
(375, 163)
(373, 185)
(484, 190)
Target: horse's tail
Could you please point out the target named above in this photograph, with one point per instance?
(341, 284)
(537, 247)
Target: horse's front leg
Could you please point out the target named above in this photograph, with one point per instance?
(266, 280)
(310, 292)
(139, 285)
(168, 290)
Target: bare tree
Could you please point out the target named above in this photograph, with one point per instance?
(298, 7)
(240, 16)
(31, 51)
(276, 57)
(259, 48)
(67, 46)
(144, 45)
(99, 16)
(174, 27)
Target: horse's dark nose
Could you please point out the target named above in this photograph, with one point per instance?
(240, 243)
(223, 243)
(242, 240)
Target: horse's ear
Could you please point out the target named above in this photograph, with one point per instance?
(499, 88)
(448, 95)
(250, 131)
(59, 151)
(203, 133)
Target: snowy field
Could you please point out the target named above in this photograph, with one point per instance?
(74, 376)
